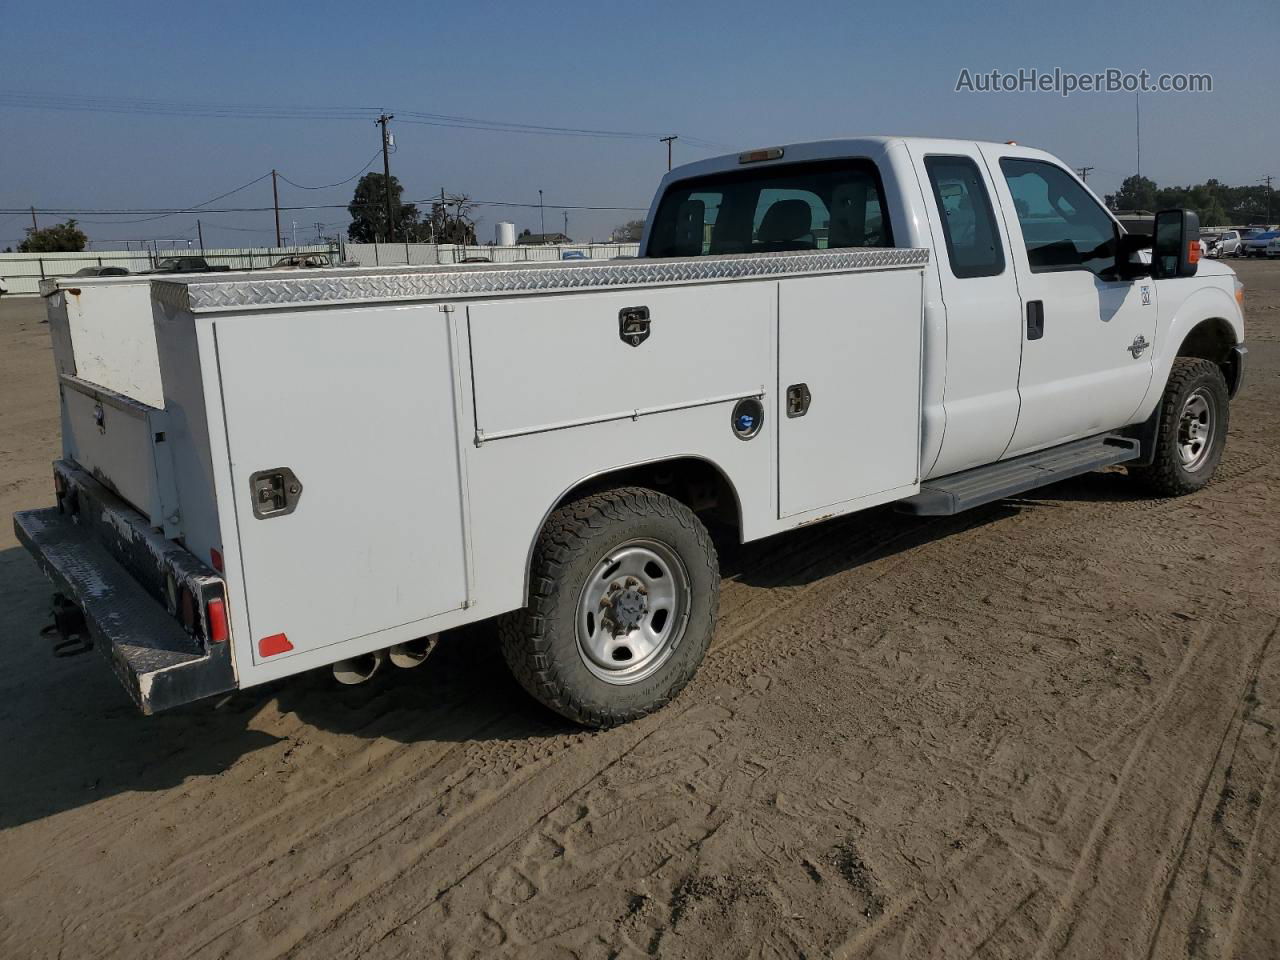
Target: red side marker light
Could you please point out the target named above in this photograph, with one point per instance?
(216, 614)
(215, 558)
(276, 643)
(1193, 251)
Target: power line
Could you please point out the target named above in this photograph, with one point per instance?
(195, 209)
(339, 182)
(137, 106)
(173, 211)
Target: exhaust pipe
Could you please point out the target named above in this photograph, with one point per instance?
(359, 669)
(413, 652)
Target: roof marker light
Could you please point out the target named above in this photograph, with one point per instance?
(755, 156)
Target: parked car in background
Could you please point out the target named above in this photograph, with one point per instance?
(185, 265)
(1229, 243)
(574, 255)
(302, 261)
(102, 272)
(1256, 245)
(1209, 244)
(1273, 247)
(475, 260)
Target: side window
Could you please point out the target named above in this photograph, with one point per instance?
(968, 222)
(1062, 226)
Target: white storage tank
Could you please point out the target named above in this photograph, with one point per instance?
(506, 234)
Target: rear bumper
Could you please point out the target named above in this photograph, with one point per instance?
(101, 555)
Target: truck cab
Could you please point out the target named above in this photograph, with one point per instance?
(1034, 334)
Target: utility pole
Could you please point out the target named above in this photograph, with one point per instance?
(1137, 122)
(1267, 180)
(318, 225)
(275, 198)
(566, 224)
(34, 226)
(542, 214)
(667, 141)
(1084, 173)
(200, 234)
(386, 174)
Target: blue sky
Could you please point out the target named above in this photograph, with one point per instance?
(744, 74)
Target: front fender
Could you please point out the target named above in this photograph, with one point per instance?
(1201, 304)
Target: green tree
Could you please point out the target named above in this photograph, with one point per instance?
(451, 220)
(1135, 193)
(629, 232)
(368, 209)
(60, 238)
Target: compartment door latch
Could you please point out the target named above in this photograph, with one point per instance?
(275, 492)
(633, 325)
(798, 399)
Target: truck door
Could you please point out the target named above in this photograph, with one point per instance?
(980, 297)
(1087, 337)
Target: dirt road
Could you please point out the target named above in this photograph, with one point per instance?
(1047, 728)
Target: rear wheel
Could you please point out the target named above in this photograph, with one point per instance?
(623, 592)
(1192, 429)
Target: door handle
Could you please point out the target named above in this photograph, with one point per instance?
(1035, 319)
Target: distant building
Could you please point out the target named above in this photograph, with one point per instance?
(542, 239)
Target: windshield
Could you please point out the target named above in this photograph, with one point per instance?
(813, 206)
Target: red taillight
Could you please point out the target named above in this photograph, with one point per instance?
(216, 613)
(215, 557)
(276, 643)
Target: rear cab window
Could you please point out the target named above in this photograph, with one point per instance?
(800, 206)
(974, 248)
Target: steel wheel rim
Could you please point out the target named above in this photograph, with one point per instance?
(1196, 425)
(632, 611)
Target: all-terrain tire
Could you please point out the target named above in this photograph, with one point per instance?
(1171, 473)
(541, 642)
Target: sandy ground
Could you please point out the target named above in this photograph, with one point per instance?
(1046, 728)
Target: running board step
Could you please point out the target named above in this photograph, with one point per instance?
(945, 496)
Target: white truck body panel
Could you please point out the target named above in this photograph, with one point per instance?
(847, 339)
(371, 429)
(104, 332)
(432, 433)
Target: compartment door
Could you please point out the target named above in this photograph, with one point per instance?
(360, 405)
(849, 356)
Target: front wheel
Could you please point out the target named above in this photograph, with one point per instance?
(623, 592)
(1191, 431)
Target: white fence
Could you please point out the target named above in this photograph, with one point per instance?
(429, 254)
(21, 273)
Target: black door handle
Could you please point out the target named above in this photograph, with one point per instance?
(1035, 319)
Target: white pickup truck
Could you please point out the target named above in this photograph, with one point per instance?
(268, 473)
